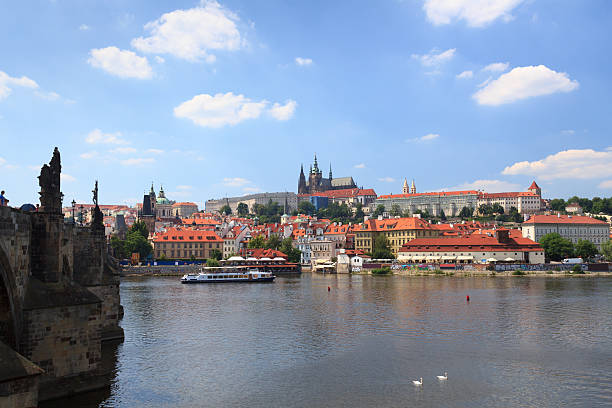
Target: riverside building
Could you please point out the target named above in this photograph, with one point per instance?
(397, 230)
(572, 227)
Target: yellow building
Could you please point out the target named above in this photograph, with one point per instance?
(397, 230)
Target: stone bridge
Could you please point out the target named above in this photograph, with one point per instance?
(59, 299)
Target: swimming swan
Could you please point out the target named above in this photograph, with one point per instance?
(443, 377)
(416, 382)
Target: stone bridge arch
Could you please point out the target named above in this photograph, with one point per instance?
(10, 303)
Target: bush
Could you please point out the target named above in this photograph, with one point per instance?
(577, 269)
(381, 271)
(518, 272)
(438, 272)
(550, 272)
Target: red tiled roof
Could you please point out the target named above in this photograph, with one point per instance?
(407, 223)
(474, 242)
(533, 185)
(200, 221)
(347, 192)
(186, 235)
(563, 219)
(265, 253)
(508, 194)
(184, 204)
(439, 193)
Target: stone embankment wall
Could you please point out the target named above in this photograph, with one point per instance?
(159, 270)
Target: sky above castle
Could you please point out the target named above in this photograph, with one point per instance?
(223, 99)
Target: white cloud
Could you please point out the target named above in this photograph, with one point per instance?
(607, 184)
(476, 13)
(84, 27)
(496, 67)
(121, 63)
(124, 150)
(191, 34)
(387, 179)
(50, 96)
(159, 59)
(67, 178)
(303, 61)
(251, 189)
(7, 83)
(360, 166)
(2, 161)
(465, 75)
(427, 137)
(137, 161)
(235, 181)
(435, 57)
(568, 132)
(154, 151)
(567, 164)
(283, 112)
(522, 83)
(184, 187)
(88, 155)
(229, 109)
(489, 186)
(96, 136)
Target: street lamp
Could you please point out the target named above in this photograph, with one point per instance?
(73, 204)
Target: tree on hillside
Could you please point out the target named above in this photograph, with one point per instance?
(380, 209)
(558, 204)
(606, 250)
(141, 228)
(485, 209)
(273, 242)
(442, 215)
(293, 254)
(514, 214)
(396, 210)
(242, 209)
(136, 240)
(306, 207)
(556, 247)
(358, 216)
(257, 242)
(381, 249)
(226, 209)
(497, 209)
(466, 212)
(585, 249)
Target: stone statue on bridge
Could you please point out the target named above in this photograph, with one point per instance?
(97, 222)
(49, 181)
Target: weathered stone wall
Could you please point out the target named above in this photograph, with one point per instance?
(22, 392)
(63, 341)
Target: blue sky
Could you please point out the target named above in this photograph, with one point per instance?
(213, 99)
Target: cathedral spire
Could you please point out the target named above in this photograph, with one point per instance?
(316, 164)
(412, 188)
(405, 189)
(330, 172)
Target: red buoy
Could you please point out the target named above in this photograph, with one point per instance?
(467, 298)
(328, 289)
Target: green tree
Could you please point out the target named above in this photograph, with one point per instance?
(141, 228)
(274, 242)
(466, 212)
(396, 210)
(358, 216)
(606, 250)
(558, 204)
(216, 254)
(485, 209)
(118, 246)
(381, 249)
(293, 254)
(442, 215)
(135, 242)
(585, 249)
(514, 214)
(380, 209)
(242, 209)
(306, 207)
(226, 209)
(257, 242)
(497, 209)
(556, 247)
(212, 262)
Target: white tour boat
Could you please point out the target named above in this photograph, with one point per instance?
(217, 275)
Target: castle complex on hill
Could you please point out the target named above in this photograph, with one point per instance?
(317, 184)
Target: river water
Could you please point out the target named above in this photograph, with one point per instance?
(519, 342)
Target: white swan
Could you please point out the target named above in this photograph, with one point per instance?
(417, 382)
(443, 377)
